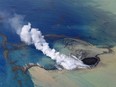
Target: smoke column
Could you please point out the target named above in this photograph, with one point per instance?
(33, 36)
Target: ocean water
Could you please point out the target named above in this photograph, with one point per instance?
(72, 18)
(81, 19)
(2, 64)
(28, 55)
(1, 50)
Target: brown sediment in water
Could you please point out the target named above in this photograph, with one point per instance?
(6, 54)
(75, 78)
(12, 63)
(28, 66)
(55, 36)
(4, 40)
(65, 78)
(101, 76)
(23, 68)
(20, 83)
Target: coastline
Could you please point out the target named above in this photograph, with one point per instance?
(102, 75)
(94, 20)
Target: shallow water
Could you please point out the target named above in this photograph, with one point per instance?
(91, 20)
(102, 75)
(27, 55)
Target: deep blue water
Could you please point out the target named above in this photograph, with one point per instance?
(73, 18)
(2, 64)
(2, 59)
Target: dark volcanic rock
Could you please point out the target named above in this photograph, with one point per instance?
(91, 61)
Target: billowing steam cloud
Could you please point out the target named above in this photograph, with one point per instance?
(16, 22)
(33, 36)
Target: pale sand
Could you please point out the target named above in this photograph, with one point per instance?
(104, 75)
(107, 5)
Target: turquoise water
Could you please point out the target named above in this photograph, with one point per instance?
(28, 55)
(10, 78)
(72, 18)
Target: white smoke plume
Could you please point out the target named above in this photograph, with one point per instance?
(16, 22)
(34, 36)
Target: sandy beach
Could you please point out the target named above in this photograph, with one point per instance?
(104, 75)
